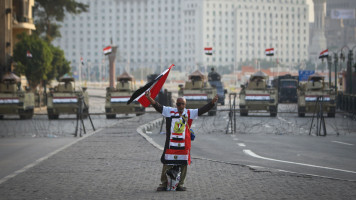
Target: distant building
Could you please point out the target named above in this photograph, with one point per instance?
(156, 33)
(340, 23)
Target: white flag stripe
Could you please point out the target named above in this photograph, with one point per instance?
(195, 97)
(65, 100)
(9, 101)
(177, 144)
(119, 99)
(259, 98)
(175, 157)
(315, 98)
(177, 136)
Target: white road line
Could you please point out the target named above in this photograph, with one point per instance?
(27, 167)
(241, 144)
(249, 152)
(342, 143)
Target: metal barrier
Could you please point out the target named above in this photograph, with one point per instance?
(232, 114)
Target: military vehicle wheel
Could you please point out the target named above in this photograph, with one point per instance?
(85, 113)
(29, 114)
(22, 114)
(331, 114)
(110, 116)
(273, 114)
(301, 114)
(1, 116)
(243, 113)
(212, 113)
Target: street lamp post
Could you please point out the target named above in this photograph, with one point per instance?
(349, 67)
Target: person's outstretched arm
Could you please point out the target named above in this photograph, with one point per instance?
(158, 107)
(208, 106)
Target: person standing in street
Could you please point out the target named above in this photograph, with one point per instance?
(178, 141)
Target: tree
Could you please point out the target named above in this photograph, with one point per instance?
(48, 12)
(37, 67)
(60, 65)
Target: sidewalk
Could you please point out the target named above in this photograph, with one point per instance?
(118, 163)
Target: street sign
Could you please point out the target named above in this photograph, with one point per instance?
(304, 74)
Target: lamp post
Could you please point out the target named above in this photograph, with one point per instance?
(349, 67)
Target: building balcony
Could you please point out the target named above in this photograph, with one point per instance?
(23, 23)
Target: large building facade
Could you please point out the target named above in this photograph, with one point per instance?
(156, 33)
(16, 18)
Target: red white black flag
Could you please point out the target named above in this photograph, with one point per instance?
(324, 54)
(208, 51)
(153, 86)
(28, 54)
(269, 52)
(107, 50)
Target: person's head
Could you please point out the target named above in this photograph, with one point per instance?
(181, 103)
(212, 69)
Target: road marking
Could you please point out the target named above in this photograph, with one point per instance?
(249, 152)
(235, 139)
(342, 143)
(267, 126)
(241, 144)
(27, 167)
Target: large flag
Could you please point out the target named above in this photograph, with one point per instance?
(324, 54)
(107, 50)
(29, 54)
(208, 51)
(153, 86)
(269, 52)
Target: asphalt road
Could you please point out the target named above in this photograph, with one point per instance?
(281, 143)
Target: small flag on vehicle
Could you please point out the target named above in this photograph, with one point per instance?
(269, 52)
(107, 50)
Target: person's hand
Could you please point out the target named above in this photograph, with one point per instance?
(215, 99)
(148, 94)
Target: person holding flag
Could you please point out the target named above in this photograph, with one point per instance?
(178, 140)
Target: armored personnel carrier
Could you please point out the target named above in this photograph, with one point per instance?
(198, 92)
(316, 91)
(15, 100)
(116, 98)
(65, 99)
(256, 96)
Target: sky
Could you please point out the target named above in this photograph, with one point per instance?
(311, 10)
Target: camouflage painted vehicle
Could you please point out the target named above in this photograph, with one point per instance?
(65, 99)
(198, 92)
(15, 100)
(256, 96)
(116, 98)
(316, 90)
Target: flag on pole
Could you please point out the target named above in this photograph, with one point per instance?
(29, 54)
(208, 51)
(107, 50)
(81, 60)
(269, 52)
(324, 54)
(153, 86)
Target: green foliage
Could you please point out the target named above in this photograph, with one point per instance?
(60, 65)
(48, 12)
(37, 67)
